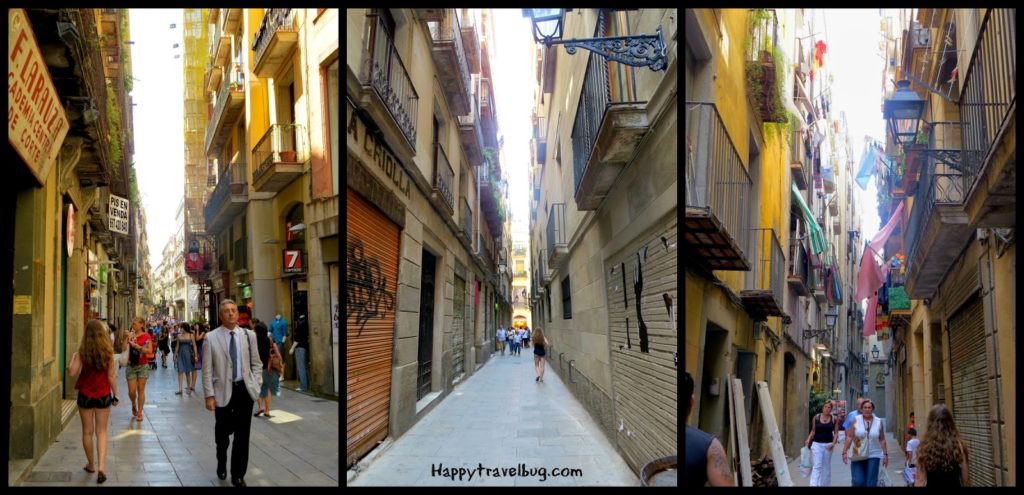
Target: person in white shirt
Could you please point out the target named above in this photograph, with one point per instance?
(517, 341)
(501, 339)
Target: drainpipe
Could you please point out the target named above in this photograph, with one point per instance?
(988, 287)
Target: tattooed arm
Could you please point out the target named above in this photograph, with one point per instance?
(718, 466)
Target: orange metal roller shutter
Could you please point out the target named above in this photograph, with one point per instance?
(372, 262)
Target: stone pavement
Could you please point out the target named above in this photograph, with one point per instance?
(841, 472)
(174, 444)
(500, 418)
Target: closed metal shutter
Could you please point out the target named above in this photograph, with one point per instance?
(459, 337)
(372, 279)
(644, 377)
(969, 365)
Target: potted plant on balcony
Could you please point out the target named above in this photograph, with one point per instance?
(289, 156)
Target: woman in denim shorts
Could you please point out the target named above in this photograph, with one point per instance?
(138, 374)
(96, 369)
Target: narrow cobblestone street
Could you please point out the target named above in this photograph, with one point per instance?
(500, 419)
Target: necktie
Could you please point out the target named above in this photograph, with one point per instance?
(234, 358)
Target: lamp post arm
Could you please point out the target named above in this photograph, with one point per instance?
(644, 50)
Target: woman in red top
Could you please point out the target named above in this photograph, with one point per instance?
(138, 374)
(97, 389)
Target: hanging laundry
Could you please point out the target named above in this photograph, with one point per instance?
(810, 118)
(817, 139)
(819, 53)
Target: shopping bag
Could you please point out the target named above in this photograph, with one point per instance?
(806, 464)
(883, 478)
(909, 476)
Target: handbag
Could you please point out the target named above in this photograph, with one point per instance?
(134, 355)
(860, 448)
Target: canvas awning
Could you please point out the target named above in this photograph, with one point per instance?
(819, 244)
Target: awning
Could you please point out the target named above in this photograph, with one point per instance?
(818, 242)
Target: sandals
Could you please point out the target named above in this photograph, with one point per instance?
(139, 417)
(178, 392)
(101, 478)
(267, 415)
(90, 471)
(258, 413)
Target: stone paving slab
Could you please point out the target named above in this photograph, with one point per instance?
(174, 444)
(500, 418)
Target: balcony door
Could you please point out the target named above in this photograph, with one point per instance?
(284, 96)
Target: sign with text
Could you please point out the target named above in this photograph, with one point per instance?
(118, 215)
(36, 122)
(70, 228)
(293, 261)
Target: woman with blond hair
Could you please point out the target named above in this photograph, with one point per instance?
(867, 435)
(96, 369)
(539, 344)
(138, 373)
(941, 456)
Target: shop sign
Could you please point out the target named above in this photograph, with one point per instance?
(374, 150)
(36, 122)
(93, 266)
(293, 261)
(118, 216)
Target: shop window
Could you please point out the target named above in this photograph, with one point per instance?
(566, 299)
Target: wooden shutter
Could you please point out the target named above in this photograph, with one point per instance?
(371, 300)
(969, 365)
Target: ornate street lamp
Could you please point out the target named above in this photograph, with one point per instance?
(636, 51)
(904, 112)
(874, 351)
(830, 317)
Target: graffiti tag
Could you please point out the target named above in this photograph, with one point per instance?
(367, 296)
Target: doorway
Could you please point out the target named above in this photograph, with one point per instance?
(713, 412)
(425, 349)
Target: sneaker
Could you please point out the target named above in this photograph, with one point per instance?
(298, 389)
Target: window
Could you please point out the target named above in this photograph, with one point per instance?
(547, 296)
(566, 299)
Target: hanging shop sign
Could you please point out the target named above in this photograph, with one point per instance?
(93, 266)
(36, 122)
(293, 261)
(118, 216)
(70, 228)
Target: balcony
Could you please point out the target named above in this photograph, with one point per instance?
(471, 42)
(558, 249)
(470, 135)
(818, 284)
(466, 219)
(488, 113)
(230, 106)
(442, 179)
(605, 132)
(279, 157)
(798, 165)
(273, 41)
(988, 112)
(798, 274)
(717, 193)
(450, 59)
(232, 20)
(229, 198)
(936, 230)
(429, 14)
(388, 94)
(220, 46)
(763, 298)
(760, 69)
(943, 144)
(214, 78)
(545, 272)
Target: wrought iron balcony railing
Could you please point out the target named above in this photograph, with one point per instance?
(273, 20)
(390, 79)
(557, 246)
(448, 31)
(443, 177)
(799, 270)
(989, 90)
(282, 143)
(763, 296)
(942, 188)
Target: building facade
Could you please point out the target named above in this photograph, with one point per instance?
(70, 251)
(270, 146)
(950, 304)
(427, 214)
(520, 268)
(604, 210)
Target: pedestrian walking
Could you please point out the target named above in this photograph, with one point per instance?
(300, 348)
(706, 462)
(151, 354)
(163, 343)
(867, 434)
(910, 426)
(526, 337)
(96, 368)
(910, 473)
(273, 368)
(539, 343)
(500, 339)
(517, 341)
(232, 378)
(854, 413)
(199, 329)
(138, 368)
(942, 457)
(187, 355)
(822, 440)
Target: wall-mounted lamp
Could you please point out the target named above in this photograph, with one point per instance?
(636, 51)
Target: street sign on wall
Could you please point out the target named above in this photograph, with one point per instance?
(36, 122)
(118, 216)
(293, 261)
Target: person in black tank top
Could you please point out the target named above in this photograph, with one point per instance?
(540, 342)
(942, 458)
(705, 461)
(822, 441)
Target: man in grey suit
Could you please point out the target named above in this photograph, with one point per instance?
(232, 377)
